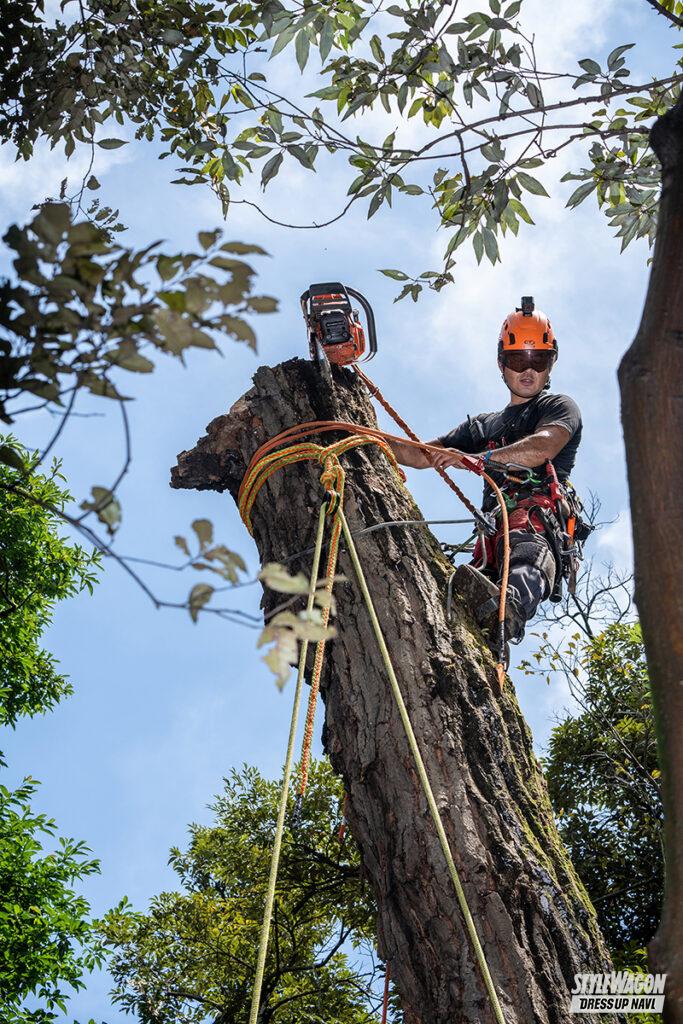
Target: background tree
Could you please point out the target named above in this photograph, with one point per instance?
(603, 777)
(47, 939)
(190, 957)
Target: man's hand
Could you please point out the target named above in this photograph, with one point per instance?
(446, 457)
(417, 458)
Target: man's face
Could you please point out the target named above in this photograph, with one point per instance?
(527, 379)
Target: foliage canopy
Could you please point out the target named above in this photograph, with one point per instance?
(38, 567)
(194, 75)
(603, 778)
(191, 955)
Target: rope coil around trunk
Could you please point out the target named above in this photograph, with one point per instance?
(247, 495)
(332, 478)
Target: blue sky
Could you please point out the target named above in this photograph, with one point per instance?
(163, 708)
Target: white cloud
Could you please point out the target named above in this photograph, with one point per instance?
(615, 542)
(22, 184)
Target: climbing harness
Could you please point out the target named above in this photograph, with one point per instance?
(545, 506)
(263, 465)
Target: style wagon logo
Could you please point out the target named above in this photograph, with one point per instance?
(618, 992)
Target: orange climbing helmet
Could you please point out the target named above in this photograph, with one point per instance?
(526, 329)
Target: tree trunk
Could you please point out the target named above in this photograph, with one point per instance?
(651, 379)
(532, 914)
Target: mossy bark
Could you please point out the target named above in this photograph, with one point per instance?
(532, 914)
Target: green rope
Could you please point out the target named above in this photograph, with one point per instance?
(422, 772)
(279, 829)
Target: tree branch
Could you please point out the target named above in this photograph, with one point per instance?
(674, 18)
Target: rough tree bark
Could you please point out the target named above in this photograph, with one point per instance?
(651, 379)
(533, 916)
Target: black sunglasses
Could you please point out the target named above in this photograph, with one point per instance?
(528, 359)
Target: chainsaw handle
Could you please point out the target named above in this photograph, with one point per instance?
(370, 316)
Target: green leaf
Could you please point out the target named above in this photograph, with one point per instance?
(263, 304)
(616, 54)
(375, 203)
(283, 653)
(242, 248)
(302, 49)
(52, 221)
(478, 244)
(490, 244)
(179, 333)
(578, 196)
(283, 39)
(10, 457)
(167, 267)
(270, 169)
(277, 577)
(231, 562)
(521, 210)
(531, 184)
(395, 275)
(591, 67)
(112, 143)
(128, 358)
(376, 49)
(208, 238)
(181, 543)
(326, 38)
(106, 507)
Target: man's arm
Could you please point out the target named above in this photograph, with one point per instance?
(451, 446)
(536, 449)
(531, 451)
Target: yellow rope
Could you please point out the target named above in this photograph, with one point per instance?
(422, 772)
(279, 828)
(333, 478)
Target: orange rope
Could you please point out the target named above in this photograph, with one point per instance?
(374, 390)
(319, 655)
(385, 1002)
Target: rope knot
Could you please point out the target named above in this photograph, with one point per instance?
(332, 478)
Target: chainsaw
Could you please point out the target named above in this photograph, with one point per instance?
(335, 332)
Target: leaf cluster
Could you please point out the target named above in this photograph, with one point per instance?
(82, 308)
(286, 629)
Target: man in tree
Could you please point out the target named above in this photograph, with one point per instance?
(537, 432)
